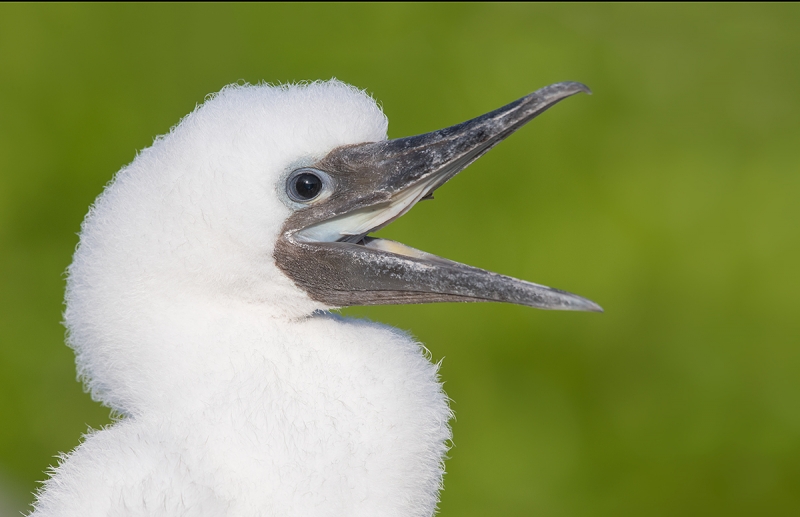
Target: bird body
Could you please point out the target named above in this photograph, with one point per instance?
(278, 426)
(197, 304)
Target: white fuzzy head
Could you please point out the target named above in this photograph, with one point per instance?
(192, 222)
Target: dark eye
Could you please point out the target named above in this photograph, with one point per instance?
(305, 184)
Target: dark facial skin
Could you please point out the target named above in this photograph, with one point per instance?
(368, 176)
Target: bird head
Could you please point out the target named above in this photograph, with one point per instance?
(264, 197)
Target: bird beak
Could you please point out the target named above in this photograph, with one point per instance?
(325, 248)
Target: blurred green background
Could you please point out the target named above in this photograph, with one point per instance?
(670, 197)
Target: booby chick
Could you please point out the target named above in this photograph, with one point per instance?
(197, 305)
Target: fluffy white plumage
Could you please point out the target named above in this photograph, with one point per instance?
(238, 399)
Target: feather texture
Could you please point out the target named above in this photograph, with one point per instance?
(238, 394)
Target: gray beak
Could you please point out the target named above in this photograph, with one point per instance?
(324, 246)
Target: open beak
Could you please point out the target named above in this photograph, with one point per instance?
(325, 248)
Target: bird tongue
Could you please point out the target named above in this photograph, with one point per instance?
(399, 248)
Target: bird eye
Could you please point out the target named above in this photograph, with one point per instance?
(305, 184)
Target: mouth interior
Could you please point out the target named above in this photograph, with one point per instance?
(354, 227)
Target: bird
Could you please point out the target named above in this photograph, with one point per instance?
(200, 304)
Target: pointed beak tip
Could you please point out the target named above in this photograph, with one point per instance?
(580, 87)
(550, 95)
(593, 307)
(584, 305)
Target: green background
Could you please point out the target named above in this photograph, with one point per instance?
(671, 197)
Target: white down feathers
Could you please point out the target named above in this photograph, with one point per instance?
(238, 398)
